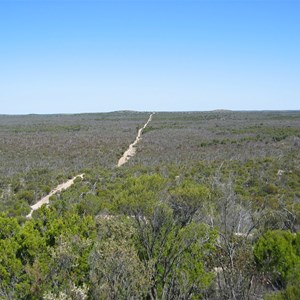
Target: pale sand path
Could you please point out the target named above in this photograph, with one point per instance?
(59, 188)
(126, 156)
(132, 149)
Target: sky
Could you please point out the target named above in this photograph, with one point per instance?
(65, 56)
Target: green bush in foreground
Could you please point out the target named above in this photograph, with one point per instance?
(277, 257)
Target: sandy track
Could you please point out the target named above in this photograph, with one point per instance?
(125, 157)
(132, 149)
(59, 188)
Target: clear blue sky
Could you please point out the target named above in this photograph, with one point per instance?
(93, 56)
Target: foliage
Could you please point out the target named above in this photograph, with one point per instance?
(277, 257)
(209, 207)
(116, 271)
(177, 253)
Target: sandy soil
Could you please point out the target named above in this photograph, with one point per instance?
(132, 149)
(59, 188)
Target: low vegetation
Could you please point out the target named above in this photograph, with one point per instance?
(208, 208)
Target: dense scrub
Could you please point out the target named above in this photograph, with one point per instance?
(209, 208)
(185, 138)
(38, 152)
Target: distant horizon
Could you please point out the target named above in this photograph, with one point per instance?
(72, 56)
(152, 111)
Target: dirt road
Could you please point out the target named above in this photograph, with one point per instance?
(132, 149)
(59, 188)
(126, 156)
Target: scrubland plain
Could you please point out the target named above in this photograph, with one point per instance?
(207, 208)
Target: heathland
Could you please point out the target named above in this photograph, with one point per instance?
(207, 206)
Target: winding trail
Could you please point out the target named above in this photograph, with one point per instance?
(59, 188)
(125, 157)
(132, 149)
